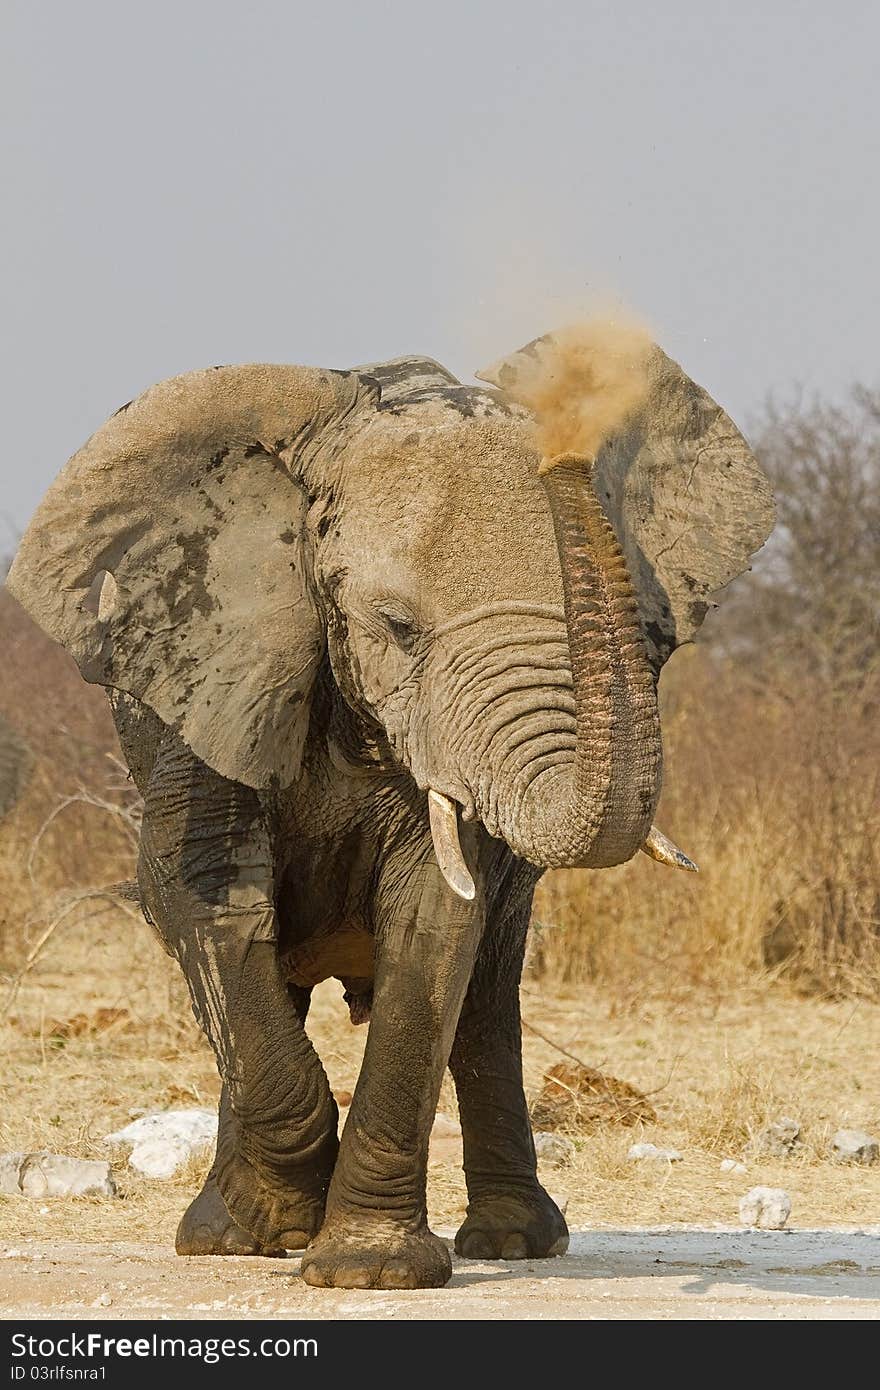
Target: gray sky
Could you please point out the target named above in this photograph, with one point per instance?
(193, 183)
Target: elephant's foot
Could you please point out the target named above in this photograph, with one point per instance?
(206, 1228)
(359, 1252)
(282, 1208)
(512, 1226)
(239, 1212)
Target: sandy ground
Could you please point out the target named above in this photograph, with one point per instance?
(670, 1273)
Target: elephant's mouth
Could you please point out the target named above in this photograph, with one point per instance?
(443, 814)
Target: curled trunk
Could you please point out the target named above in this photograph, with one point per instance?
(596, 810)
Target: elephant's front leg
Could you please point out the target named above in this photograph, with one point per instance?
(375, 1234)
(206, 875)
(509, 1215)
(206, 1227)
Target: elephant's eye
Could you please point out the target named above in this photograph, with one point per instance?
(403, 629)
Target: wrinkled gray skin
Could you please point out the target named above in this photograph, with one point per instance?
(15, 765)
(315, 595)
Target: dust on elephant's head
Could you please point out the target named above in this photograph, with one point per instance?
(231, 530)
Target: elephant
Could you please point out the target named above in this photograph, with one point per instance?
(375, 668)
(15, 766)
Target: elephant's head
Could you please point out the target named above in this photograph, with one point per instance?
(500, 631)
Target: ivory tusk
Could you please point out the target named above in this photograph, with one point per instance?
(447, 846)
(658, 847)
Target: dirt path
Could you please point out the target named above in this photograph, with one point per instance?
(670, 1273)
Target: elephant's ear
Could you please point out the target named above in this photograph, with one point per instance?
(406, 380)
(169, 558)
(686, 496)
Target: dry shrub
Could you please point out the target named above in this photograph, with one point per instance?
(774, 792)
(74, 830)
(581, 1098)
(103, 1020)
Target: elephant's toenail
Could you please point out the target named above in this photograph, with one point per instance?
(313, 1274)
(353, 1277)
(515, 1247)
(477, 1246)
(292, 1240)
(398, 1275)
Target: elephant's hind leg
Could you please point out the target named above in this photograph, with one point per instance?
(509, 1214)
(205, 875)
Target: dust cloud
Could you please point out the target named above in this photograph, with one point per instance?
(582, 384)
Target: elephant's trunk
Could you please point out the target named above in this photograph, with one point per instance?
(595, 810)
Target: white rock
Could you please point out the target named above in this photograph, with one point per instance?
(54, 1175)
(768, 1208)
(159, 1158)
(651, 1151)
(553, 1148)
(190, 1125)
(10, 1172)
(444, 1127)
(102, 1301)
(855, 1146)
(730, 1165)
(777, 1140)
(164, 1141)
